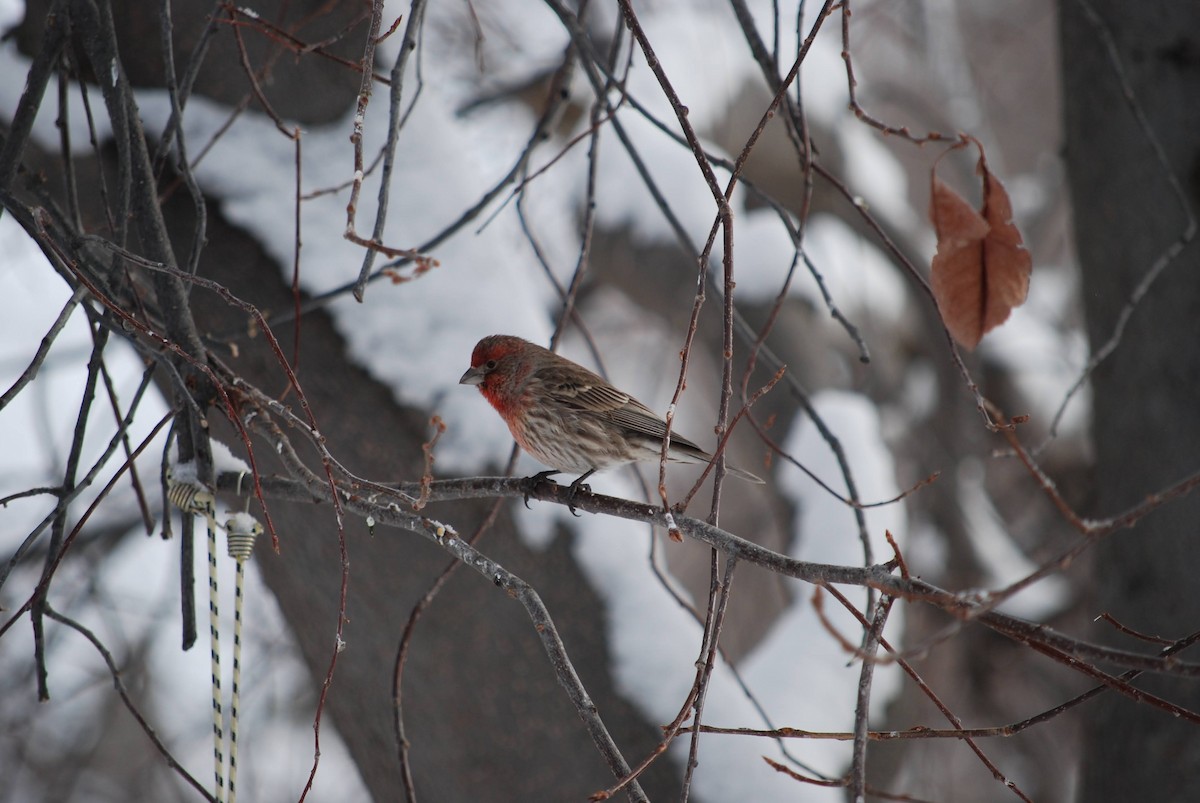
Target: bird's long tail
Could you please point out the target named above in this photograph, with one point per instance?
(684, 453)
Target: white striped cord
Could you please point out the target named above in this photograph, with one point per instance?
(196, 500)
(240, 533)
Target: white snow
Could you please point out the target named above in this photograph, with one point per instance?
(11, 13)
(859, 278)
(1003, 558)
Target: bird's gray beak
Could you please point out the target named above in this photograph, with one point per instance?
(473, 376)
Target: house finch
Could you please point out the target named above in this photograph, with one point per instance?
(568, 417)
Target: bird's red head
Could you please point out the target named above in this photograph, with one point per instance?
(494, 348)
(497, 366)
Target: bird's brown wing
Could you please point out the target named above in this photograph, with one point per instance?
(637, 417)
(595, 396)
(579, 389)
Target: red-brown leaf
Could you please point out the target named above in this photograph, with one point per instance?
(981, 269)
(1008, 262)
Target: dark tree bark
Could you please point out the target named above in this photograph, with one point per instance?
(1147, 394)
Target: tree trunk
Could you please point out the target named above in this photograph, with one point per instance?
(1147, 393)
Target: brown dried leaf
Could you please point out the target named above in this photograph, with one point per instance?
(1007, 261)
(981, 269)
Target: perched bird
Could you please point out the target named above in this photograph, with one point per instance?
(568, 417)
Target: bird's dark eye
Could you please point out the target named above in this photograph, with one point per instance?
(490, 365)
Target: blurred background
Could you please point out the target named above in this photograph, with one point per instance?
(532, 167)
